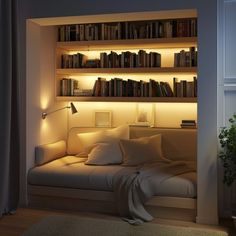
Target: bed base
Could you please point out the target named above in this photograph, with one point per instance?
(175, 208)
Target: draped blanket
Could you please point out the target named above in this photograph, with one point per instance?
(133, 188)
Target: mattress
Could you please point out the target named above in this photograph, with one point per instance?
(71, 172)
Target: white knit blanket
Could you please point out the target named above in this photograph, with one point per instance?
(133, 188)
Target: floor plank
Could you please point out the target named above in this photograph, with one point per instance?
(15, 225)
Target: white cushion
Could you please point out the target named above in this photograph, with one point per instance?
(49, 152)
(142, 150)
(107, 153)
(104, 154)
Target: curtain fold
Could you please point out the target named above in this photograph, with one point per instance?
(9, 118)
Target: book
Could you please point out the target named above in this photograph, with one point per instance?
(188, 124)
(97, 88)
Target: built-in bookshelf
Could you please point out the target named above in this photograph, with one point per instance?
(123, 49)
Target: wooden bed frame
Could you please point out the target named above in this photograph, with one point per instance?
(178, 142)
(104, 202)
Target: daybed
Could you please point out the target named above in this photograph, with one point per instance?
(62, 180)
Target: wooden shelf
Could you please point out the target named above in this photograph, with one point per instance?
(124, 44)
(139, 70)
(129, 99)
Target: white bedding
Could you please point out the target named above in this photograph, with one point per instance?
(71, 172)
(133, 188)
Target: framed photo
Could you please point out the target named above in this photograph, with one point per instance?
(103, 118)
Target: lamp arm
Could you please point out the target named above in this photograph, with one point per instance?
(44, 114)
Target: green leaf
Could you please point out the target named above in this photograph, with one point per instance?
(227, 154)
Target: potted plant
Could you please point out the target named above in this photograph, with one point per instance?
(227, 153)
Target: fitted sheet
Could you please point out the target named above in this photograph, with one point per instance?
(71, 172)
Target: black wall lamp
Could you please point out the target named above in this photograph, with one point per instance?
(72, 107)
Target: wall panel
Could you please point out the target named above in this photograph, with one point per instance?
(226, 91)
(230, 36)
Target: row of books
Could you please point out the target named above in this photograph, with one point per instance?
(129, 59)
(112, 60)
(184, 88)
(128, 30)
(117, 87)
(186, 58)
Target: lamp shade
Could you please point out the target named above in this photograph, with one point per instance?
(73, 108)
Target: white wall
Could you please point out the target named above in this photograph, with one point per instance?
(207, 113)
(166, 114)
(40, 61)
(226, 90)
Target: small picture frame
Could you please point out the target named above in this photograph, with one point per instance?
(103, 118)
(145, 115)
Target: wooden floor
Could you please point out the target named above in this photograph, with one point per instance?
(15, 225)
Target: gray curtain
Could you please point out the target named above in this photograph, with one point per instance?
(9, 134)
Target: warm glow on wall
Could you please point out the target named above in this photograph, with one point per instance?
(44, 127)
(44, 100)
(166, 114)
(171, 114)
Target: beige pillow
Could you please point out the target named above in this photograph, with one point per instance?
(104, 154)
(110, 152)
(49, 152)
(142, 150)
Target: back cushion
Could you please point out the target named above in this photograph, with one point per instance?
(79, 139)
(177, 144)
(142, 150)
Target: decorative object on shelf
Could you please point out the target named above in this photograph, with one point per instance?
(72, 107)
(145, 115)
(103, 118)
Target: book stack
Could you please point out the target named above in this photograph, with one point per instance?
(68, 86)
(188, 124)
(185, 88)
(73, 61)
(129, 59)
(83, 92)
(186, 58)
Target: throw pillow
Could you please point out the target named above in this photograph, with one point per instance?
(111, 154)
(104, 154)
(142, 150)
